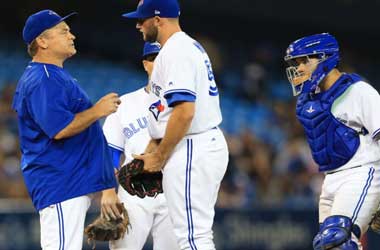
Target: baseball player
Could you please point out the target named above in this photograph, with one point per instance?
(184, 115)
(65, 156)
(339, 113)
(127, 133)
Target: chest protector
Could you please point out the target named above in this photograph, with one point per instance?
(332, 143)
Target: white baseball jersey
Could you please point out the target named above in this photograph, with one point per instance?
(355, 192)
(126, 130)
(358, 107)
(183, 66)
(194, 170)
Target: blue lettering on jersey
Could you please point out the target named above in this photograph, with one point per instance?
(141, 125)
(134, 128)
(156, 89)
(128, 132)
(213, 90)
(209, 70)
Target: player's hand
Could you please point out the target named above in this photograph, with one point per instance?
(109, 203)
(153, 162)
(108, 104)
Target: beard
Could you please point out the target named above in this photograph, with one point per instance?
(151, 34)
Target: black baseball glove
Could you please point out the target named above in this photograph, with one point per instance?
(136, 182)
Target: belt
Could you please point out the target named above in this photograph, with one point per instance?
(336, 171)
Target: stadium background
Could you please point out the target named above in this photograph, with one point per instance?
(268, 199)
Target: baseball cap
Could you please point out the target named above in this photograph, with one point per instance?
(39, 22)
(151, 8)
(151, 48)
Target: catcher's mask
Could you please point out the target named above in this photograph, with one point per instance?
(322, 47)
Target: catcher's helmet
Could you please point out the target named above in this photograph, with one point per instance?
(151, 49)
(322, 46)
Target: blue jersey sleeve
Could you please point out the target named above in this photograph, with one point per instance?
(176, 97)
(49, 106)
(115, 156)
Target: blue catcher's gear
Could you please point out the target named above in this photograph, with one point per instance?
(324, 47)
(332, 143)
(335, 234)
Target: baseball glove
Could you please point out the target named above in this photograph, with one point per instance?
(375, 224)
(136, 182)
(103, 230)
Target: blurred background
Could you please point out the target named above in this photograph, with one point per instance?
(268, 199)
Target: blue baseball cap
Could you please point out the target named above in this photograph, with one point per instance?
(151, 8)
(151, 48)
(39, 22)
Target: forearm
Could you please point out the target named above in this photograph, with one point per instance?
(177, 127)
(152, 145)
(80, 122)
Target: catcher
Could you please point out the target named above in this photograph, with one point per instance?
(126, 133)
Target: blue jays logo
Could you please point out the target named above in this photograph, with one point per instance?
(52, 13)
(156, 108)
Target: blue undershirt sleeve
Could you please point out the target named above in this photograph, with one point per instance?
(115, 156)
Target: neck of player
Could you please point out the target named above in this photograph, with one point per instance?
(44, 58)
(330, 79)
(169, 28)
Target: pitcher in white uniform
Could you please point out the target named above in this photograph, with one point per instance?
(127, 133)
(187, 145)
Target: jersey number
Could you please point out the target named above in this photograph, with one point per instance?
(213, 90)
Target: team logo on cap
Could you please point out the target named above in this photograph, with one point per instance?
(289, 50)
(157, 12)
(52, 13)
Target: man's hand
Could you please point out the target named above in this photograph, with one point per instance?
(109, 201)
(106, 230)
(107, 105)
(136, 181)
(153, 162)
